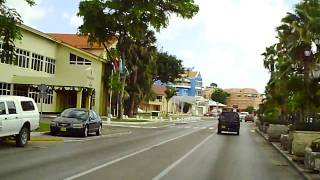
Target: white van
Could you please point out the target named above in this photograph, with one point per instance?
(18, 117)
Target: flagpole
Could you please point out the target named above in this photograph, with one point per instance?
(110, 98)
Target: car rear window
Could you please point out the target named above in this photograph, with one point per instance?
(2, 108)
(229, 116)
(27, 105)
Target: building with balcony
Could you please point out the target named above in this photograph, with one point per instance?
(72, 74)
(190, 84)
(240, 99)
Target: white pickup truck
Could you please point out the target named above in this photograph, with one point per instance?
(18, 117)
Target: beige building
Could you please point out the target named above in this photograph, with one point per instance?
(208, 91)
(73, 74)
(159, 103)
(242, 98)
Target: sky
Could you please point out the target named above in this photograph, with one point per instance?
(224, 41)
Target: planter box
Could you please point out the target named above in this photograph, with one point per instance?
(265, 127)
(311, 159)
(301, 139)
(275, 130)
(284, 140)
(259, 125)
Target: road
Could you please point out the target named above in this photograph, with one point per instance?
(180, 151)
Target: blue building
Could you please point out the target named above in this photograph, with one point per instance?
(190, 84)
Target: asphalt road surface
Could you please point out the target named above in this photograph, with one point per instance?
(180, 151)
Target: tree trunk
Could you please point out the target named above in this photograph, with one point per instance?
(167, 108)
(132, 100)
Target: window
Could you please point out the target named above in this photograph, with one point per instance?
(73, 59)
(91, 115)
(20, 90)
(79, 60)
(2, 108)
(87, 62)
(198, 92)
(37, 62)
(50, 65)
(185, 92)
(159, 98)
(22, 58)
(35, 95)
(95, 115)
(4, 89)
(27, 105)
(49, 98)
(198, 84)
(11, 107)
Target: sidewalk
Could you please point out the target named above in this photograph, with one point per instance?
(298, 166)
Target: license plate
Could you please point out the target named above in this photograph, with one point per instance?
(223, 126)
(63, 129)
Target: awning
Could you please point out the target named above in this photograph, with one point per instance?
(217, 104)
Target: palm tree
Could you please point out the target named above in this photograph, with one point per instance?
(169, 93)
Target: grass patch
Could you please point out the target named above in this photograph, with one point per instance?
(43, 127)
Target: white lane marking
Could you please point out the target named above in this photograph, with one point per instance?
(133, 126)
(124, 157)
(211, 128)
(169, 168)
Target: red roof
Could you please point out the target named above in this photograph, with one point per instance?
(159, 89)
(75, 40)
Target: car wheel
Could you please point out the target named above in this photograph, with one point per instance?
(53, 133)
(98, 132)
(85, 131)
(219, 131)
(238, 132)
(22, 137)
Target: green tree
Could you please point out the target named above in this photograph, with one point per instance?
(214, 85)
(169, 93)
(9, 30)
(141, 60)
(219, 95)
(168, 67)
(128, 22)
(292, 89)
(250, 109)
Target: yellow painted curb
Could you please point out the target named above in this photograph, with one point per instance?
(46, 139)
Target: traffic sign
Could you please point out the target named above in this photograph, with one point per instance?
(43, 88)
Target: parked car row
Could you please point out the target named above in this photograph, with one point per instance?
(19, 116)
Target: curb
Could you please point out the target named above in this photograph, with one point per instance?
(293, 164)
(45, 139)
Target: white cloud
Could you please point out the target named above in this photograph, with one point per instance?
(73, 19)
(76, 20)
(30, 14)
(233, 35)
